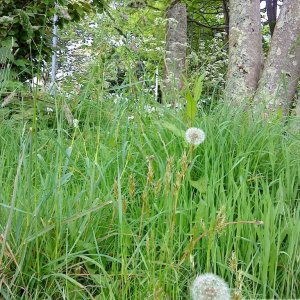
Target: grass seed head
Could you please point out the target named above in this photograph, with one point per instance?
(116, 189)
(150, 174)
(144, 195)
(184, 163)
(237, 295)
(157, 188)
(220, 221)
(233, 262)
(178, 180)
(131, 186)
(169, 170)
(239, 280)
(203, 226)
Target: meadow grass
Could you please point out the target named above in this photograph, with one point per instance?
(124, 208)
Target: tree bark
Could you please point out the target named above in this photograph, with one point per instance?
(297, 109)
(279, 79)
(245, 50)
(176, 46)
(226, 21)
(271, 6)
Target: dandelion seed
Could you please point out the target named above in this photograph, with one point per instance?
(149, 109)
(195, 136)
(75, 123)
(210, 287)
(49, 110)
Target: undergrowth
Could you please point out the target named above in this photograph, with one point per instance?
(121, 207)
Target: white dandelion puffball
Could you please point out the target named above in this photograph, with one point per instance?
(195, 136)
(210, 287)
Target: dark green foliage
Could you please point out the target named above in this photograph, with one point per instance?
(26, 29)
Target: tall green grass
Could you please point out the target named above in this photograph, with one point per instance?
(125, 209)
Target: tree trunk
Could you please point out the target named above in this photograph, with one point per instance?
(245, 50)
(271, 6)
(297, 109)
(226, 21)
(176, 46)
(279, 79)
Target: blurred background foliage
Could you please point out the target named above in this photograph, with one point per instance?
(125, 39)
(26, 30)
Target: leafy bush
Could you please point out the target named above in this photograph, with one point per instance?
(26, 29)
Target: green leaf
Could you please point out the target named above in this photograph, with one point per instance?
(6, 20)
(8, 42)
(191, 106)
(5, 55)
(68, 220)
(198, 87)
(4, 112)
(65, 178)
(21, 62)
(24, 115)
(177, 131)
(200, 184)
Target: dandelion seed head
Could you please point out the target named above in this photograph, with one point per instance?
(195, 136)
(210, 287)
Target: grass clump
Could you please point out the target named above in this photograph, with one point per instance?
(121, 207)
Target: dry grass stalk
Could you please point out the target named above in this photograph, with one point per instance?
(8, 99)
(68, 114)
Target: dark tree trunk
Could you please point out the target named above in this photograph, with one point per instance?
(226, 20)
(271, 6)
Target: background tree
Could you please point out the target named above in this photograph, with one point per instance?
(26, 29)
(280, 76)
(176, 45)
(245, 50)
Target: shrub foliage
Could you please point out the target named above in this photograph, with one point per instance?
(26, 30)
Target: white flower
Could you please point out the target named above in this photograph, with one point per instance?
(149, 109)
(49, 110)
(130, 118)
(75, 123)
(178, 106)
(195, 136)
(210, 287)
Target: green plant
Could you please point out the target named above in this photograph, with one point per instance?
(192, 97)
(26, 29)
(106, 210)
